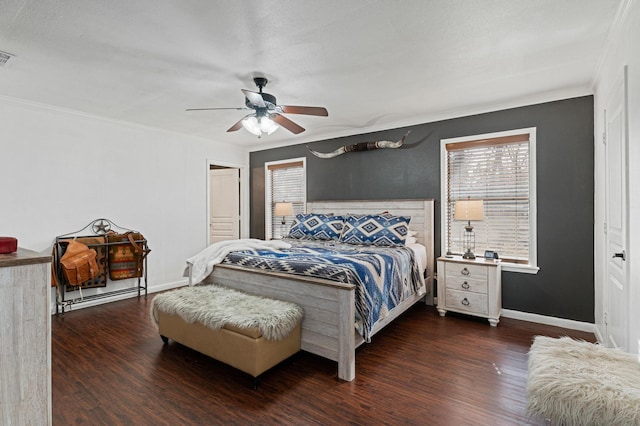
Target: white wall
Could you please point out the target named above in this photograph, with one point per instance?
(622, 51)
(60, 170)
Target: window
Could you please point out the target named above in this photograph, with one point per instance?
(284, 181)
(498, 168)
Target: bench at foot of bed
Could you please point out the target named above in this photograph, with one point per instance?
(243, 347)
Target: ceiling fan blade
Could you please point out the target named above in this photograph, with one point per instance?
(236, 126)
(306, 110)
(286, 123)
(211, 109)
(255, 99)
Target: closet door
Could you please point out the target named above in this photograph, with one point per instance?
(616, 295)
(224, 201)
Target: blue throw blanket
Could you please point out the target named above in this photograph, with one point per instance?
(383, 276)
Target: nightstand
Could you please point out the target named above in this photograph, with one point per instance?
(471, 287)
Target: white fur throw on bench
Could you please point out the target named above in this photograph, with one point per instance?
(216, 306)
(580, 383)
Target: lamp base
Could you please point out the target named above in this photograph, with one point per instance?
(468, 255)
(469, 242)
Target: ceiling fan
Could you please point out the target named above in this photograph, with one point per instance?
(267, 113)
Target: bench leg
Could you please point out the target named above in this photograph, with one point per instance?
(256, 383)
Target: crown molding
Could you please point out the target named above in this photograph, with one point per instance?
(615, 29)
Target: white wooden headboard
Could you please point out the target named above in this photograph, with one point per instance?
(421, 212)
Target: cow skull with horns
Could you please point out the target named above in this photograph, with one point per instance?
(361, 146)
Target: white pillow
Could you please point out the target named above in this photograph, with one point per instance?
(412, 233)
(410, 240)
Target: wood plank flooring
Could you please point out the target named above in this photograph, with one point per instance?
(111, 368)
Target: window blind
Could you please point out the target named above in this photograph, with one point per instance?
(287, 184)
(497, 172)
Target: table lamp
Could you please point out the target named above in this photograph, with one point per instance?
(283, 209)
(469, 210)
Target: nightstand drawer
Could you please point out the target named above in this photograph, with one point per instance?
(467, 284)
(465, 301)
(474, 272)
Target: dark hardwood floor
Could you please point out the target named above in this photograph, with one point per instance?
(111, 368)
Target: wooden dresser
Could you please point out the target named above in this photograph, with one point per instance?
(25, 338)
(470, 287)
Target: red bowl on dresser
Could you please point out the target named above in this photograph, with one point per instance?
(8, 245)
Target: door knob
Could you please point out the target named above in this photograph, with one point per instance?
(622, 255)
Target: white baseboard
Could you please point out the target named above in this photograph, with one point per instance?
(115, 298)
(543, 319)
(168, 286)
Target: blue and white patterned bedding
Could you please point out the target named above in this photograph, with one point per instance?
(383, 276)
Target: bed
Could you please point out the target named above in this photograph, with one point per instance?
(330, 315)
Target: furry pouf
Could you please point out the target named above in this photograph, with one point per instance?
(580, 383)
(216, 306)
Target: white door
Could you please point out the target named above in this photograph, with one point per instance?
(616, 287)
(224, 204)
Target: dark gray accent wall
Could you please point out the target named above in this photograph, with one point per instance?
(564, 286)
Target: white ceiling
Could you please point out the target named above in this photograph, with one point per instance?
(373, 64)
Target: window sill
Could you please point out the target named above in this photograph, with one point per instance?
(517, 267)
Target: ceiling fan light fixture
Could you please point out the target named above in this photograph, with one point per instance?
(250, 123)
(267, 125)
(259, 125)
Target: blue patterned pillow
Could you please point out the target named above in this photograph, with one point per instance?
(316, 227)
(378, 230)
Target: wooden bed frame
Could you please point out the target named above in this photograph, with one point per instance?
(328, 325)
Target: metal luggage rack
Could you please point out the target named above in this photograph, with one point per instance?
(94, 231)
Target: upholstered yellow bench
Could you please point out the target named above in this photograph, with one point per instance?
(248, 332)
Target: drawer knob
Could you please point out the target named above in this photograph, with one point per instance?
(465, 285)
(465, 271)
(465, 302)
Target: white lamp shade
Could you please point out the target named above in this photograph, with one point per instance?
(267, 125)
(251, 124)
(284, 209)
(260, 125)
(469, 210)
